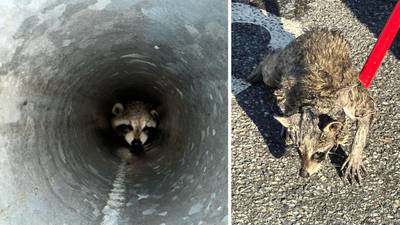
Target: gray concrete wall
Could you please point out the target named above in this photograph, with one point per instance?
(62, 66)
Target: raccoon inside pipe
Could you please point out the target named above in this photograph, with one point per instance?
(64, 64)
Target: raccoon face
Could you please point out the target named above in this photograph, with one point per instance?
(133, 121)
(312, 142)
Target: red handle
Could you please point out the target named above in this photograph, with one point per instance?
(382, 45)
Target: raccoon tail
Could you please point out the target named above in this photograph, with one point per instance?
(270, 61)
(256, 75)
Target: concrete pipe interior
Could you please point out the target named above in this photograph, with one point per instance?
(64, 64)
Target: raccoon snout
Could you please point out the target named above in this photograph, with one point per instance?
(137, 146)
(304, 173)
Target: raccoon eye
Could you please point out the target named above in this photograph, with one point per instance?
(318, 156)
(123, 129)
(147, 129)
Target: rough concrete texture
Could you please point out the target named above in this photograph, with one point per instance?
(266, 186)
(63, 64)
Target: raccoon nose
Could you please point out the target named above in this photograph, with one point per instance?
(137, 146)
(304, 173)
(136, 143)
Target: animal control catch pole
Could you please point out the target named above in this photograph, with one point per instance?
(382, 45)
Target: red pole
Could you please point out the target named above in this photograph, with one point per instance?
(382, 45)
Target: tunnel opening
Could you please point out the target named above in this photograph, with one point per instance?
(135, 80)
(64, 67)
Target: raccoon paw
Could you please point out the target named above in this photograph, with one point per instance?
(353, 168)
(124, 154)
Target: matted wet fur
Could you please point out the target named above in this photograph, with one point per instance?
(315, 72)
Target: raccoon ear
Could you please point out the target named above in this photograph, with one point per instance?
(284, 121)
(154, 113)
(333, 127)
(117, 109)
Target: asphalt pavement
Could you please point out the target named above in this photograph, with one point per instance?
(266, 186)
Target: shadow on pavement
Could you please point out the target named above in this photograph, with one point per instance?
(374, 14)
